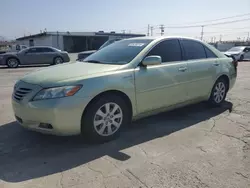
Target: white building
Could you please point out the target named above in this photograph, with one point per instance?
(72, 41)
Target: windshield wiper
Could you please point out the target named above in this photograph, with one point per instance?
(94, 61)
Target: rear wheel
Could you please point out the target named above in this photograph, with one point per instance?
(104, 118)
(12, 62)
(219, 92)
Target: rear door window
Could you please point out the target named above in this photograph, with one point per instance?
(169, 50)
(33, 50)
(46, 50)
(193, 49)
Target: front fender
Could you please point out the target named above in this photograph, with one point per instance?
(122, 81)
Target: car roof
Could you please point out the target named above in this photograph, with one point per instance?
(41, 47)
(162, 37)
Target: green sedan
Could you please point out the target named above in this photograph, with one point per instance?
(127, 80)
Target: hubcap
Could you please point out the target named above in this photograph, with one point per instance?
(12, 63)
(58, 60)
(108, 119)
(219, 92)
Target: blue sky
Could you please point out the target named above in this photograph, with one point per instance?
(30, 16)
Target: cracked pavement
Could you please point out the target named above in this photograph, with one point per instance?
(195, 146)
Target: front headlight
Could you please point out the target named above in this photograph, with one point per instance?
(56, 92)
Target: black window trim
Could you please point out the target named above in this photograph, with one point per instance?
(205, 47)
(146, 54)
(185, 57)
(29, 50)
(52, 50)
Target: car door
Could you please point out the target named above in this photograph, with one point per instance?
(47, 55)
(162, 85)
(32, 56)
(203, 66)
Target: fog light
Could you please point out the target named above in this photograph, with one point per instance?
(45, 126)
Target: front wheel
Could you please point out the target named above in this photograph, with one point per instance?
(218, 93)
(104, 118)
(58, 60)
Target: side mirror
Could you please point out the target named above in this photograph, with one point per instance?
(152, 60)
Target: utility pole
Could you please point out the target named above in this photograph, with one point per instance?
(123, 31)
(202, 32)
(212, 39)
(148, 30)
(162, 27)
(247, 36)
(151, 28)
(220, 38)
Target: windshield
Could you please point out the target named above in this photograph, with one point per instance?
(236, 49)
(119, 53)
(107, 43)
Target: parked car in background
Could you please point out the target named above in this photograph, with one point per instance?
(239, 53)
(13, 48)
(34, 55)
(127, 80)
(85, 54)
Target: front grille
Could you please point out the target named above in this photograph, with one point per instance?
(20, 93)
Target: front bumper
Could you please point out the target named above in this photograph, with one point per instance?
(63, 114)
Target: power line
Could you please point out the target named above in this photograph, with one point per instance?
(236, 16)
(219, 23)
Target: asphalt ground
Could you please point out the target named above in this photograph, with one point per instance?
(191, 147)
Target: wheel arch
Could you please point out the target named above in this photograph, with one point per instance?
(111, 92)
(11, 57)
(57, 56)
(226, 78)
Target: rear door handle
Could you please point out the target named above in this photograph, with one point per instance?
(182, 69)
(216, 64)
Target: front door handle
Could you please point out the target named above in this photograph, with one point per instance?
(182, 69)
(216, 64)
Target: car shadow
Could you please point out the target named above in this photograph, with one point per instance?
(25, 66)
(26, 155)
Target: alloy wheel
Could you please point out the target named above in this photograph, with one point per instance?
(12, 63)
(219, 92)
(108, 119)
(58, 61)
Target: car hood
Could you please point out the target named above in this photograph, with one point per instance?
(69, 72)
(88, 52)
(232, 53)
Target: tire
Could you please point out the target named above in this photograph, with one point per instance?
(12, 62)
(219, 92)
(99, 126)
(241, 58)
(57, 60)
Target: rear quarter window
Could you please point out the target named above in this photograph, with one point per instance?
(209, 53)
